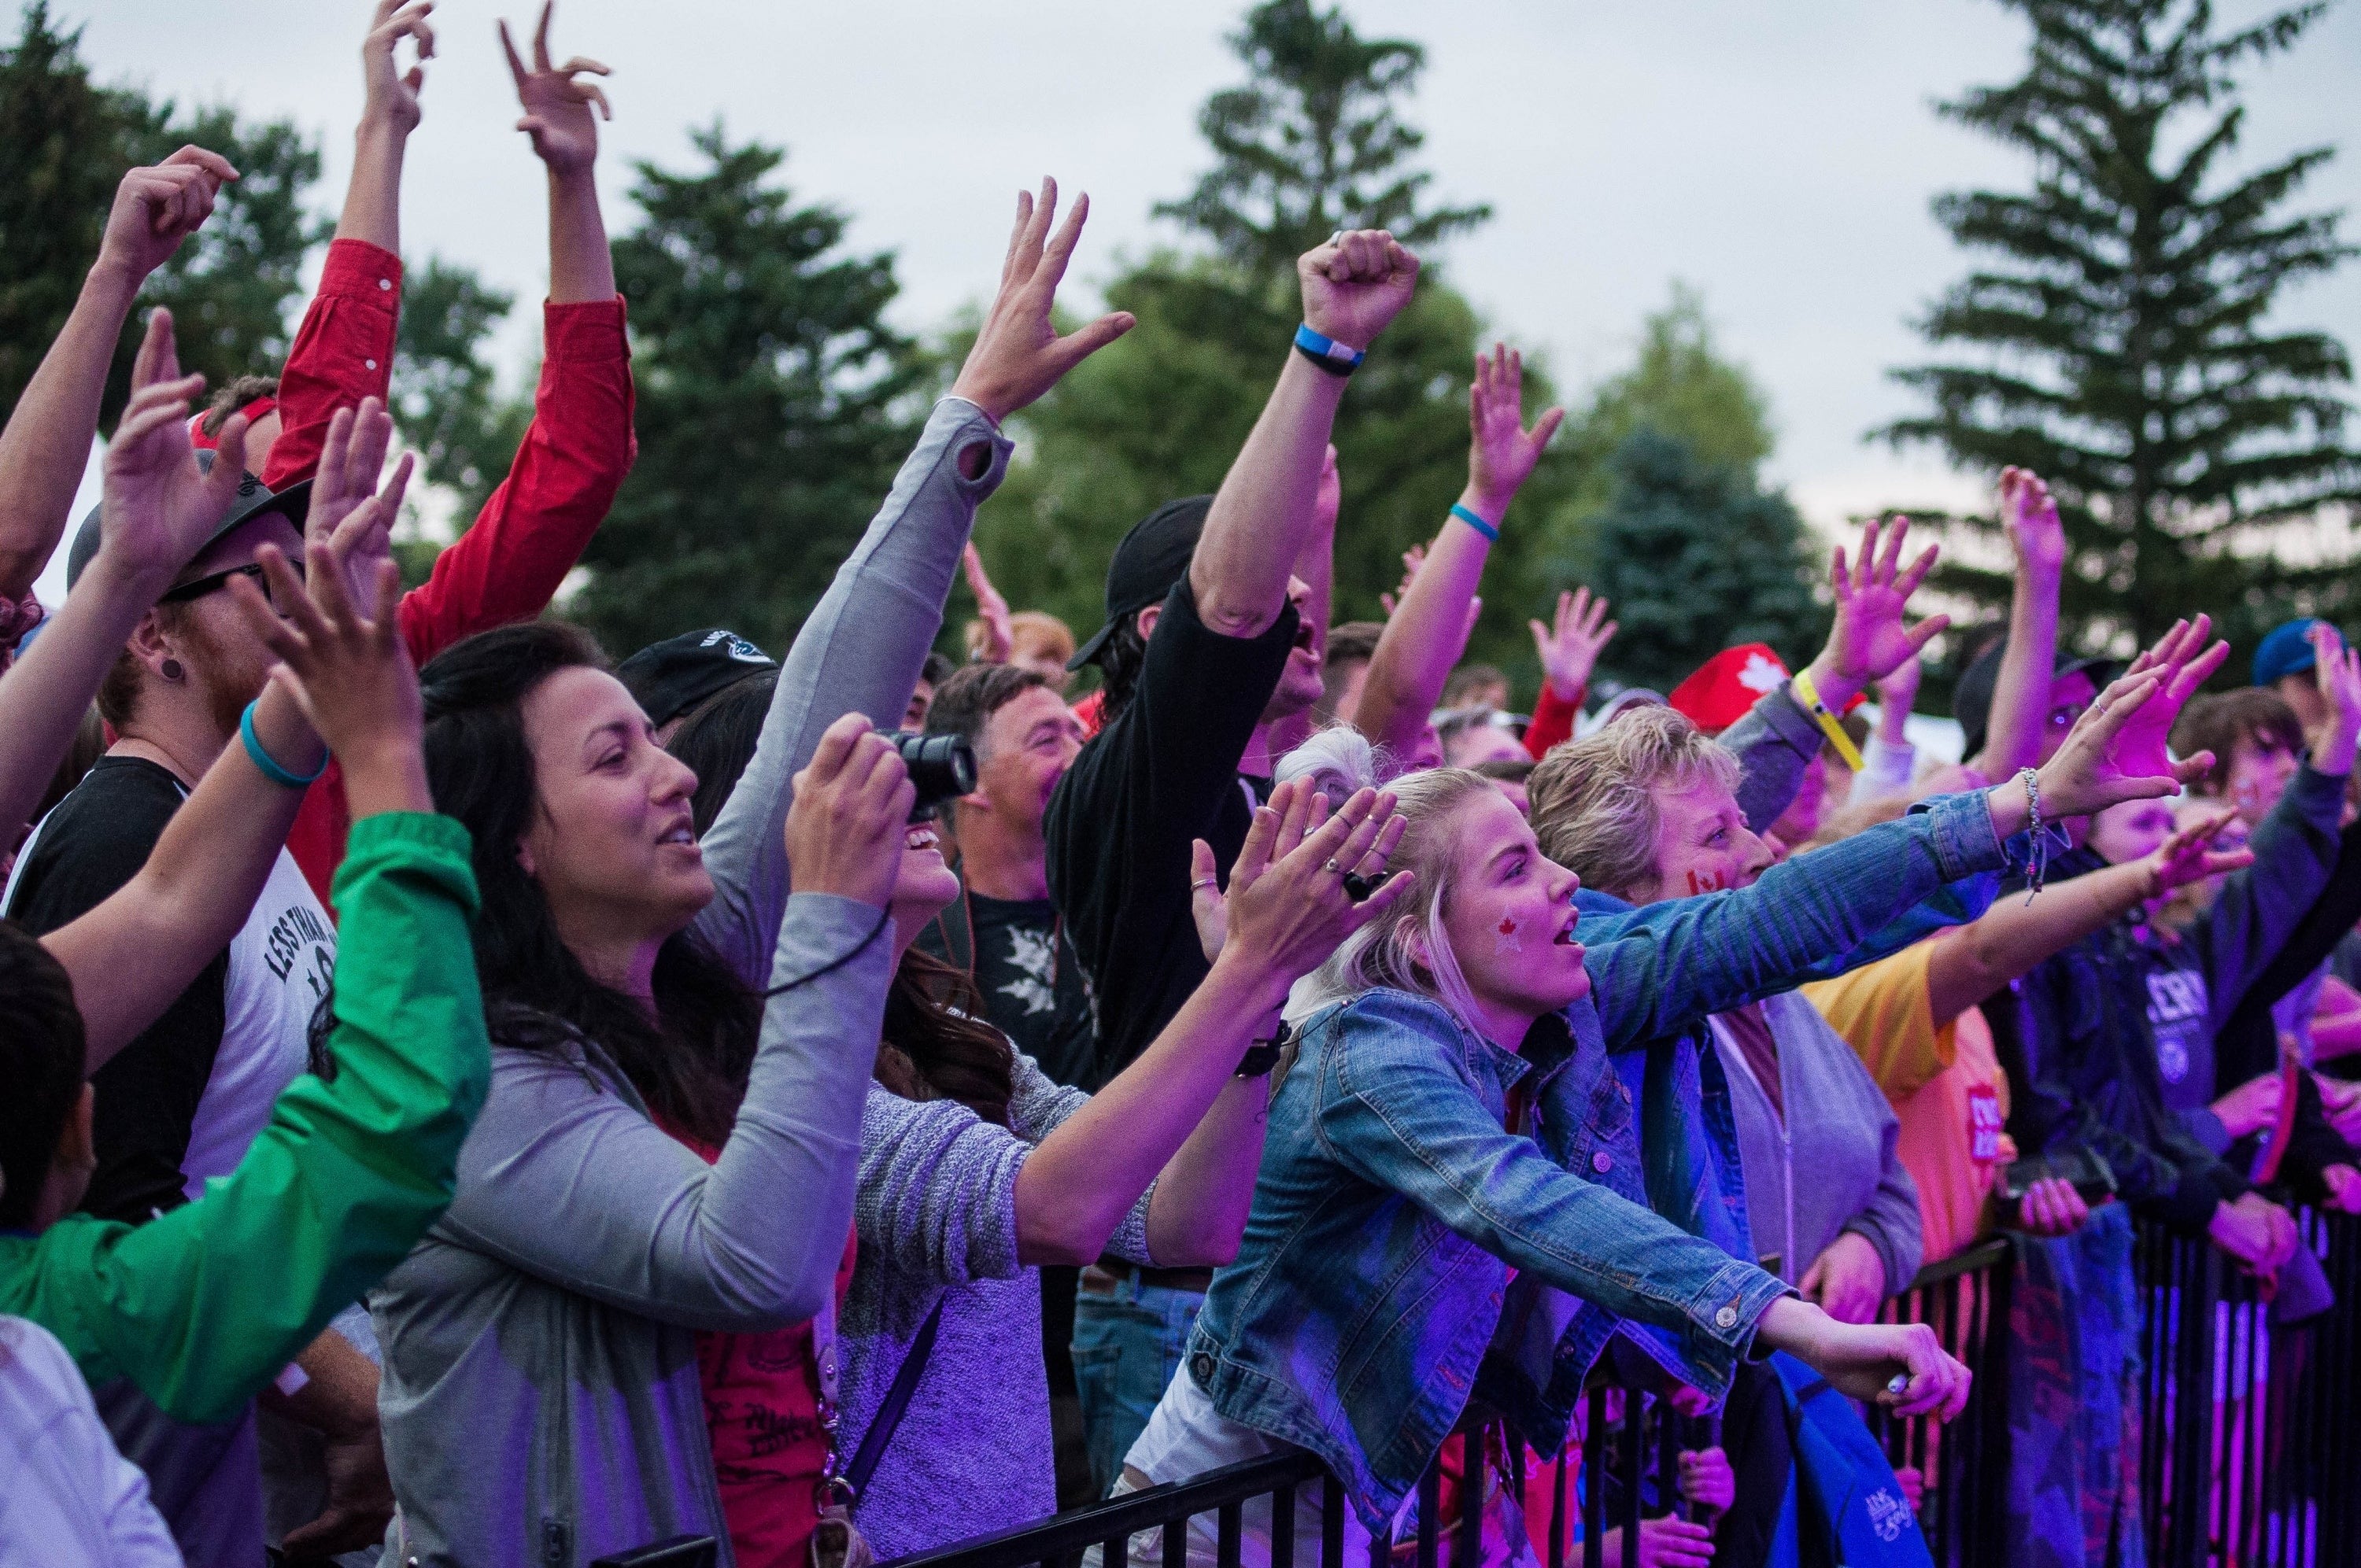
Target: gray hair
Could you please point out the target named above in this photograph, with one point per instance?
(1594, 800)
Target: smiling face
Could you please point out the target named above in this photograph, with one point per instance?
(1703, 844)
(612, 844)
(1510, 915)
(1027, 744)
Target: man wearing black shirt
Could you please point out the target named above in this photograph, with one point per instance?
(1216, 607)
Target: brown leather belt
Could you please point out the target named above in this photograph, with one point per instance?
(1102, 1277)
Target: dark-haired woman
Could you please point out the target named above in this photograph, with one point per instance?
(550, 1318)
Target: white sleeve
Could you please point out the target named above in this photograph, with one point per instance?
(73, 1487)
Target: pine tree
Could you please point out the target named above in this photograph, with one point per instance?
(2120, 339)
(771, 405)
(1697, 557)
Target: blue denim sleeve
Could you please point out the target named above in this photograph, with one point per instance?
(1400, 1109)
(1658, 970)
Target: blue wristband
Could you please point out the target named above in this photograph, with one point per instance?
(1467, 515)
(263, 760)
(1327, 353)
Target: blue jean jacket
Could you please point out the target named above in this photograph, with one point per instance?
(1393, 1202)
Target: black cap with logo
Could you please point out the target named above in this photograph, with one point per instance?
(670, 677)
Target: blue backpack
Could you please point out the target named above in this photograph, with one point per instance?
(1842, 1476)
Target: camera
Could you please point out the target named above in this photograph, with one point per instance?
(942, 767)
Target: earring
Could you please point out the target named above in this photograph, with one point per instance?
(171, 669)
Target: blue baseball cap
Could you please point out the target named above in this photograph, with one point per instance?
(2286, 652)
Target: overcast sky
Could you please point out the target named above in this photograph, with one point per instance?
(1780, 158)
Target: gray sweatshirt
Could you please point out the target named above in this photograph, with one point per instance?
(1833, 1165)
(539, 1401)
(938, 1219)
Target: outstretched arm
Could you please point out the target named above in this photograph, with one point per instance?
(45, 447)
(862, 646)
(1427, 630)
(2020, 704)
(1264, 511)
(343, 350)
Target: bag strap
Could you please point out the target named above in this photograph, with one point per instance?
(897, 1400)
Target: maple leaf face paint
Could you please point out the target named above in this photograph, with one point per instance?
(1504, 937)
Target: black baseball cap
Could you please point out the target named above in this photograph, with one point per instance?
(1152, 557)
(1971, 701)
(253, 501)
(670, 677)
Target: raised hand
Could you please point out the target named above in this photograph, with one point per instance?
(557, 107)
(2188, 856)
(391, 94)
(2338, 670)
(1355, 284)
(351, 673)
(2030, 516)
(350, 461)
(159, 505)
(1412, 559)
(1289, 904)
(1502, 452)
(1569, 648)
(1018, 354)
(1868, 638)
(2180, 663)
(990, 607)
(850, 815)
(158, 205)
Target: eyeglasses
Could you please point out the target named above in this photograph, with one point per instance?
(216, 582)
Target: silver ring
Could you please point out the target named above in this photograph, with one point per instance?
(1335, 867)
(1204, 881)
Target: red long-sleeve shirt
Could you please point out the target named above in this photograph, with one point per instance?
(1552, 722)
(533, 529)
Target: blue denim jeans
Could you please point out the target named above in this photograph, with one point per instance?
(1126, 1347)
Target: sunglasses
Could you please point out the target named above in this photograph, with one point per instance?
(217, 581)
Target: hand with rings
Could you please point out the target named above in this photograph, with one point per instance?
(1280, 885)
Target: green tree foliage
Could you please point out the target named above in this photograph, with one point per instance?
(1311, 144)
(2118, 335)
(445, 397)
(1696, 558)
(773, 406)
(69, 140)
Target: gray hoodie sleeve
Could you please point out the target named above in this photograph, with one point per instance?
(565, 1177)
(860, 652)
(1775, 742)
(1891, 1221)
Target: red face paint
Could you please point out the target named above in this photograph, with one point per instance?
(1711, 882)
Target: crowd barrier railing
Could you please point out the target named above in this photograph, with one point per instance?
(2250, 1455)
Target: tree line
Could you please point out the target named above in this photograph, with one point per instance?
(2117, 335)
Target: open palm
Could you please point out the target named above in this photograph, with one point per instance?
(162, 503)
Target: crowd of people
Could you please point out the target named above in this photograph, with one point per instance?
(478, 1100)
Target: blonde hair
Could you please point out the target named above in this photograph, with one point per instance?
(1594, 801)
(1048, 636)
(1409, 951)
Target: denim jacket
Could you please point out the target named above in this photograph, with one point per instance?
(1393, 1201)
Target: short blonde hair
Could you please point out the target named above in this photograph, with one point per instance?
(1594, 801)
(1049, 636)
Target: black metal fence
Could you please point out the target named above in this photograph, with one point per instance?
(2250, 1452)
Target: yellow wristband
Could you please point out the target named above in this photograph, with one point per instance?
(1809, 695)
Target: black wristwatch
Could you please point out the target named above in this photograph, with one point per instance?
(1263, 1054)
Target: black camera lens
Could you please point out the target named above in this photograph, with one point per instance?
(942, 767)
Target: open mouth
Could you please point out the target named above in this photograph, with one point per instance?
(1303, 633)
(921, 836)
(1564, 938)
(682, 836)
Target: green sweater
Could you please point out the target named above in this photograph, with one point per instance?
(200, 1308)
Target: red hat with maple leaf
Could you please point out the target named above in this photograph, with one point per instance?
(1727, 684)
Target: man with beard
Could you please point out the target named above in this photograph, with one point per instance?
(1215, 610)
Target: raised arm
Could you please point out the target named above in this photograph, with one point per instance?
(350, 1171)
(343, 350)
(1424, 637)
(136, 950)
(1261, 516)
(45, 447)
(862, 648)
(1568, 649)
(2020, 704)
(157, 509)
(1868, 639)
